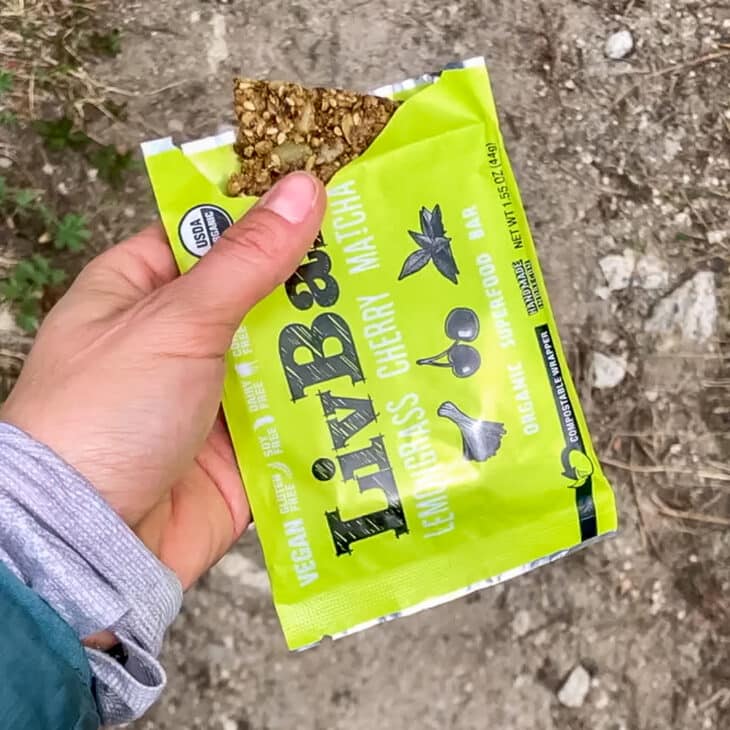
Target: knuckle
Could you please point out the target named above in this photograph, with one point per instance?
(257, 240)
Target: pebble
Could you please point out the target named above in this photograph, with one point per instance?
(715, 238)
(618, 269)
(521, 623)
(5, 163)
(608, 370)
(691, 310)
(245, 571)
(575, 689)
(651, 272)
(619, 45)
(175, 125)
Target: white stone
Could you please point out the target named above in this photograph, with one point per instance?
(602, 701)
(521, 623)
(715, 238)
(7, 320)
(244, 571)
(690, 309)
(176, 125)
(619, 45)
(618, 269)
(608, 370)
(574, 691)
(651, 272)
(606, 337)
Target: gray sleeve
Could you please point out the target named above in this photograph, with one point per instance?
(65, 542)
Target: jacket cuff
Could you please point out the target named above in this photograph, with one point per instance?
(59, 536)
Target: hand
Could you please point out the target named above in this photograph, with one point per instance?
(125, 378)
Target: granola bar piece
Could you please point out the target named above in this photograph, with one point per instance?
(284, 127)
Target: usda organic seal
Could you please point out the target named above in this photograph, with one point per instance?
(201, 227)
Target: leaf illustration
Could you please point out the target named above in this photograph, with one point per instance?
(415, 262)
(421, 239)
(437, 225)
(425, 216)
(443, 260)
(434, 245)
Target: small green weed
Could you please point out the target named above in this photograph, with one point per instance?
(71, 233)
(60, 134)
(25, 286)
(30, 279)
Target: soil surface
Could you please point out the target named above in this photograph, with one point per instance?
(624, 166)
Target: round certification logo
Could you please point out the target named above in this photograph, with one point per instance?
(201, 227)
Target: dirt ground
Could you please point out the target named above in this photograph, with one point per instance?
(624, 166)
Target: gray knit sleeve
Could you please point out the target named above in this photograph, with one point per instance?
(65, 542)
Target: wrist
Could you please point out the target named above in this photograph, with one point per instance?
(102, 640)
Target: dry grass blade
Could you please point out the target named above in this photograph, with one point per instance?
(674, 68)
(661, 469)
(668, 511)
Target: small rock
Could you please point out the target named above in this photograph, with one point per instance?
(602, 701)
(228, 724)
(175, 125)
(47, 169)
(606, 337)
(651, 272)
(7, 320)
(608, 370)
(244, 571)
(618, 269)
(5, 163)
(619, 45)
(521, 623)
(575, 689)
(690, 309)
(715, 238)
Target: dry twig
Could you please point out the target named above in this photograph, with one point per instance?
(668, 511)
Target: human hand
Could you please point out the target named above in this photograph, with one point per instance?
(125, 378)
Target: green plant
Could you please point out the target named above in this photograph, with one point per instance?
(7, 117)
(111, 163)
(24, 199)
(71, 233)
(32, 278)
(59, 134)
(108, 44)
(6, 81)
(25, 286)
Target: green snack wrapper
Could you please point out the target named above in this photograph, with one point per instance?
(401, 410)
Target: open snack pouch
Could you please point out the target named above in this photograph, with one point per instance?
(401, 410)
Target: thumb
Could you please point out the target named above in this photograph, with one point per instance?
(252, 257)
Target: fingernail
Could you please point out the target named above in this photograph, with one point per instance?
(293, 197)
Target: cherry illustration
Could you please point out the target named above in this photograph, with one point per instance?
(465, 360)
(462, 324)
